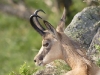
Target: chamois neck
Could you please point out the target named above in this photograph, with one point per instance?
(69, 42)
(71, 55)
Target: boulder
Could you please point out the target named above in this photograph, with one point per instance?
(84, 25)
(94, 49)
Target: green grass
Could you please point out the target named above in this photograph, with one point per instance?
(18, 43)
(24, 69)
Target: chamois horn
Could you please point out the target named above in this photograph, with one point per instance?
(40, 31)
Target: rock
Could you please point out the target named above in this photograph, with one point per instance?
(83, 26)
(19, 10)
(48, 70)
(94, 49)
(54, 69)
(92, 2)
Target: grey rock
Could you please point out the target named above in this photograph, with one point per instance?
(83, 26)
(92, 2)
(94, 49)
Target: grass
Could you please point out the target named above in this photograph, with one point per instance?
(18, 43)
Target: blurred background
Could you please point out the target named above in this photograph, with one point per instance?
(19, 42)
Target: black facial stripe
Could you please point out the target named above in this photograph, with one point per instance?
(46, 44)
(44, 53)
(41, 57)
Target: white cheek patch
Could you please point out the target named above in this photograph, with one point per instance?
(54, 40)
(50, 56)
(41, 49)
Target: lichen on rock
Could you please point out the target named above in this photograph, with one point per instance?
(82, 28)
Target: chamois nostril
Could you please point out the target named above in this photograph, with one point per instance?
(41, 58)
(34, 60)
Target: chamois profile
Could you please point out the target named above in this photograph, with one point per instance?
(57, 45)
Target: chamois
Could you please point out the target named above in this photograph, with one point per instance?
(57, 45)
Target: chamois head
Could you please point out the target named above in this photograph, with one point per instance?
(51, 46)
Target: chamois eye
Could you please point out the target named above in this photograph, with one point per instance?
(46, 44)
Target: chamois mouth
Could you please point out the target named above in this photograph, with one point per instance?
(40, 63)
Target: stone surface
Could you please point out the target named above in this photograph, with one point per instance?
(94, 49)
(83, 27)
(92, 2)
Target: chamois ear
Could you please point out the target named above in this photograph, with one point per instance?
(61, 25)
(51, 28)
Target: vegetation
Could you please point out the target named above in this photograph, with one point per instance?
(17, 45)
(19, 42)
(98, 48)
